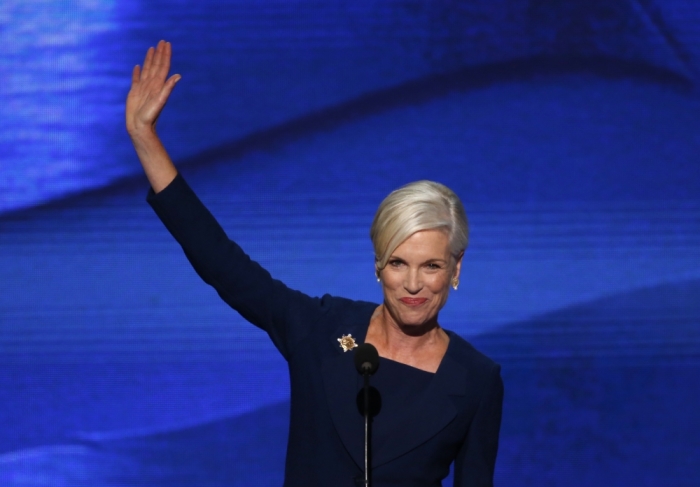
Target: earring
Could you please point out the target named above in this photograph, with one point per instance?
(376, 273)
(455, 283)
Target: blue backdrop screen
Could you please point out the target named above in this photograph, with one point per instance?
(569, 129)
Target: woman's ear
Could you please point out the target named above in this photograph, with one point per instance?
(458, 265)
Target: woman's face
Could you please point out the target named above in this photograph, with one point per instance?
(416, 280)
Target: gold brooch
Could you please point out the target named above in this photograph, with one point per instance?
(347, 342)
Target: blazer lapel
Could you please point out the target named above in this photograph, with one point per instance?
(340, 379)
(412, 426)
(419, 422)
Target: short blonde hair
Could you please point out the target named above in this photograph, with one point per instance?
(422, 205)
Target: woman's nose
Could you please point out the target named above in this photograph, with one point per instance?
(413, 282)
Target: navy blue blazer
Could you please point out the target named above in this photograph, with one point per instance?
(455, 419)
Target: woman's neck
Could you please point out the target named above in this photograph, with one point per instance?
(421, 346)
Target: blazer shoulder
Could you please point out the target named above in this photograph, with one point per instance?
(472, 359)
(346, 310)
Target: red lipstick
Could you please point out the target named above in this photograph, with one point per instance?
(413, 301)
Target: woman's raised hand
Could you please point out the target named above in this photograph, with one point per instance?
(149, 90)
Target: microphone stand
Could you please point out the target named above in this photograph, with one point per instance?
(366, 362)
(368, 430)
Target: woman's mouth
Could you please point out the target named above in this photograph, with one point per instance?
(413, 301)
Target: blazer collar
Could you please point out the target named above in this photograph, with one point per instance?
(417, 423)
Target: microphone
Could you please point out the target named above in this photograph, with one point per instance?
(366, 359)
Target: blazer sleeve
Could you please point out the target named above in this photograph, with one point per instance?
(476, 459)
(285, 314)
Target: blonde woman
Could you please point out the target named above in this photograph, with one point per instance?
(441, 398)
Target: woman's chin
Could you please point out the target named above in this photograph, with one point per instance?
(412, 320)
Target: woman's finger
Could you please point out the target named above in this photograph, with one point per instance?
(160, 62)
(162, 53)
(167, 54)
(157, 55)
(168, 88)
(147, 62)
(135, 75)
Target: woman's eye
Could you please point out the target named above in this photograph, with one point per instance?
(395, 263)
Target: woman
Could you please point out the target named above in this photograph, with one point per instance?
(440, 398)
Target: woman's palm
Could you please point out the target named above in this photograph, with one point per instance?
(149, 89)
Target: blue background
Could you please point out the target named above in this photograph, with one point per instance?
(569, 128)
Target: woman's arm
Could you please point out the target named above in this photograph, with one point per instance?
(476, 460)
(149, 92)
(286, 315)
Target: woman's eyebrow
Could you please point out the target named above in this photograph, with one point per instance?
(393, 257)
